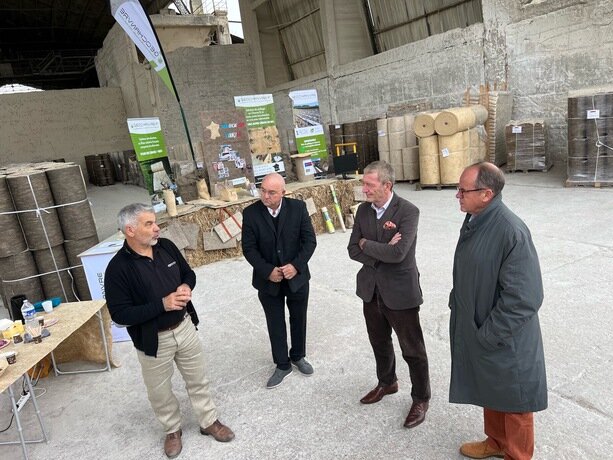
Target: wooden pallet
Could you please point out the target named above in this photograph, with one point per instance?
(419, 186)
(591, 184)
(510, 170)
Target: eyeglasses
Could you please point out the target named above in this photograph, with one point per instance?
(461, 191)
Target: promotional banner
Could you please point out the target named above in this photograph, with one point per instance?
(147, 138)
(130, 15)
(308, 129)
(264, 141)
(150, 148)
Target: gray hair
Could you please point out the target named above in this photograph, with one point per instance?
(128, 215)
(489, 176)
(384, 171)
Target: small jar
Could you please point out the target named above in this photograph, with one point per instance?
(17, 340)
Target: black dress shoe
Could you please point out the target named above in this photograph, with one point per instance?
(417, 414)
(377, 393)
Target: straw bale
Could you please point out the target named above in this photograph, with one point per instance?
(206, 218)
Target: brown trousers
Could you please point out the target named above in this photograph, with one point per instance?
(380, 321)
(513, 433)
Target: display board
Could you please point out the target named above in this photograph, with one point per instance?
(226, 148)
(264, 141)
(308, 130)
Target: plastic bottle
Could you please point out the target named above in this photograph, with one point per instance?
(27, 310)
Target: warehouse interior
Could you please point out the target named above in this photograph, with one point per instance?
(526, 83)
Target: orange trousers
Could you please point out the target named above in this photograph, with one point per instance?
(513, 433)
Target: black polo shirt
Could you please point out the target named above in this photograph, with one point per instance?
(161, 276)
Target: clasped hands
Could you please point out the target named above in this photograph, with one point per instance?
(397, 237)
(177, 300)
(285, 272)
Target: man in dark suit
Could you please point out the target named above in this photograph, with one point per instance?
(383, 240)
(278, 241)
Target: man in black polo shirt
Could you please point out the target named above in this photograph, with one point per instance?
(148, 288)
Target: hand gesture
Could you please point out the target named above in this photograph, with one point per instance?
(276, 275)
(289, 271)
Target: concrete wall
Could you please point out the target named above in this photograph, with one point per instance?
(69, 124)
(206, 77)
(553, 47)
(541, 48)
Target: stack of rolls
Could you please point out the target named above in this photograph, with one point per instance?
(397, 140)
(44, 210)
(410, 153)
(462, 140)
(429, 169)
(383, 145)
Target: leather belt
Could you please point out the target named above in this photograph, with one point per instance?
(174, 326)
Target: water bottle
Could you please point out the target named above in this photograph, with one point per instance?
(27, 310)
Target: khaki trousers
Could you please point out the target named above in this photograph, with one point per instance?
(510, 432)
(181, 345)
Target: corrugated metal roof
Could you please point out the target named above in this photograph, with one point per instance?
(398, 22)
(299, 25)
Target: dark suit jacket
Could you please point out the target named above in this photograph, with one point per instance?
(293, 242)
(391, 268)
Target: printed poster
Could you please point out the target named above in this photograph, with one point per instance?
(308, 129)
(264, 141)
(149, 146)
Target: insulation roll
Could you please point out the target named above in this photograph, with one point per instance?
(384, 156)
(12, 241)
(67, 186)
(429, 170)
(396, 162)
(458, 119)
(477, 143)
(396, 140)
(60, 283)
(30, 190)
(371, 134)
(409, 131)
(18, 267)
(424, 124)
(454, 156)
(383, 144)
(410, 163)
(73, 249)
(395, 124)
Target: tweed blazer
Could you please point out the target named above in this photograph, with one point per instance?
(390, 268)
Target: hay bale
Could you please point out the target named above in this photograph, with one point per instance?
(206, 217)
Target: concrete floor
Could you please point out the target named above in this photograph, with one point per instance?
(107, 416)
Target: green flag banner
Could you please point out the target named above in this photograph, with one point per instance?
(130, 15)
(147, 138)
(308, 130)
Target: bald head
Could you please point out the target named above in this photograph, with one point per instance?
(272, 190)
(273, 180)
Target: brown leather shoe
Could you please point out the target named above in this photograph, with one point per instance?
(377, 393)
(219, 431)
(173, 444)
(480, 450)
(417, 414)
